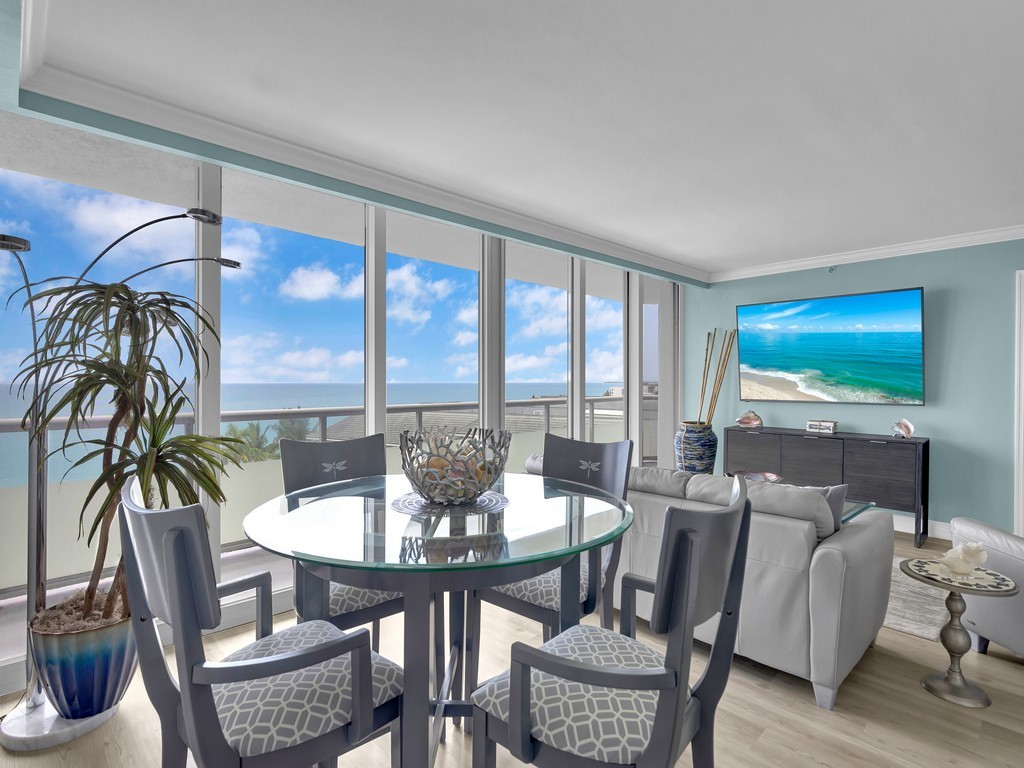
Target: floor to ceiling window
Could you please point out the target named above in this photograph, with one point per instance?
(292, 328)
(432, 307)
(536, 347)
(292, 321)
(653, 296)
(71, 195)
(605, 358)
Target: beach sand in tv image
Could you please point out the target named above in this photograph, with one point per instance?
(862, 348)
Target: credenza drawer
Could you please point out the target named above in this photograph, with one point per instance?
(811, 460)
(882, 472)
(752, 452)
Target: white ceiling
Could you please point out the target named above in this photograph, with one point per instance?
(727, 138)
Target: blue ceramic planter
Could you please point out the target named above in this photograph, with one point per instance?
(87, 672)
(696, 448)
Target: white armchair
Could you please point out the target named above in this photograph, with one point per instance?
(990, 618)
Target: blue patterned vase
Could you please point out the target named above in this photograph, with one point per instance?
(696, 448)
(86, 672)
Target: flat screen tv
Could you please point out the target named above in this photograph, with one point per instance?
(858, 348)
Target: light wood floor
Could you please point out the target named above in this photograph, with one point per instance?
(883, 717)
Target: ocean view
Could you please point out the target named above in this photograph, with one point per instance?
(881, 367)
(249, 397)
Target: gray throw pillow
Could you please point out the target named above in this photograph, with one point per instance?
(835, 495)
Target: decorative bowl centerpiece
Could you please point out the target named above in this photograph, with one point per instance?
(450, 469)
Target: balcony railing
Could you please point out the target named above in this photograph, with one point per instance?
(527, 419)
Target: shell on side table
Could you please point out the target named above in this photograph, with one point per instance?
(961, 561)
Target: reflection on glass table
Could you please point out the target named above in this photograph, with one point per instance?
(852, 509)
(362, 533)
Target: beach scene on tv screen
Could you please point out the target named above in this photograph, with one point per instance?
(862, 348)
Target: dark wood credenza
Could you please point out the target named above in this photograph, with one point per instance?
(892, 472)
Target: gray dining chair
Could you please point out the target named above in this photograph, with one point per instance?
(600, 465)
(307, 464)
(592, 697)
(299, 697)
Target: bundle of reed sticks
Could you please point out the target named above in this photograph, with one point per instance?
(723, 362)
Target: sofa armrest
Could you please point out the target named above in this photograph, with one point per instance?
(999, 619)
(850, 576)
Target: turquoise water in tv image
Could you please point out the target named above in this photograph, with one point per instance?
(841, 367)
(857, 348)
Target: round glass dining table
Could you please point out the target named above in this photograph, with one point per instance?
(377, 533)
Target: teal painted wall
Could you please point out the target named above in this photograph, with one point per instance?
(969, 308)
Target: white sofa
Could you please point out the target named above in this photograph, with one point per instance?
(994, 618)
(814, 597)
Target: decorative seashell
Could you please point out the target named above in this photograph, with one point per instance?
(962, 560)
(902, 428)
(750, 419)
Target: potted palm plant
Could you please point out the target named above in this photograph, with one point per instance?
(110, 348)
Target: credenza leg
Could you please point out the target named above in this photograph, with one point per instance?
(920, 527)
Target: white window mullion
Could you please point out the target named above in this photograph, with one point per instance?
(208, 296)
(633, 351)
(577, 407)
(375, 303)
(491, 338)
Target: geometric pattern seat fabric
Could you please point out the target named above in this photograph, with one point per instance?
(607, 724)
(271, 713)
(546, 590)
(345, 599)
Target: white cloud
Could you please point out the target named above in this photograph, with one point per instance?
(604, 365)
(316, 283)
(10, 277)
(255, 358)
(464, 364)
(243, 244)
(354, 287)
(396, 362)
(243, 356)
(468, 315)
(603, 314)
(518, 362)
(17, 228)
(788, 312)
(34, 189)
(556, 349)
(314, 357)
(411, 294)
(11, 361)
(349, 359)
(464, 338)
(98, 219)
(543, 309)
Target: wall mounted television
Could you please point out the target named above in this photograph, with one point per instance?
(857, 348)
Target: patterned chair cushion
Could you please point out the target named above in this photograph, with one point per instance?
(595, 722)
(345, 599)
(260, 716)
(546, 590)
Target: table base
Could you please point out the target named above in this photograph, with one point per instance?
(956, 688)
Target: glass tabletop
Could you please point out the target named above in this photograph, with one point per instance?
(853, 508)
(373, 522)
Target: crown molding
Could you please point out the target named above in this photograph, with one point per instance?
(869, 254)
(86, 102)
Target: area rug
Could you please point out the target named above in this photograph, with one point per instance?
(913, 607)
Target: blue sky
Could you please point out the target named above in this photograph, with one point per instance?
(293, 313)
(892, 311)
